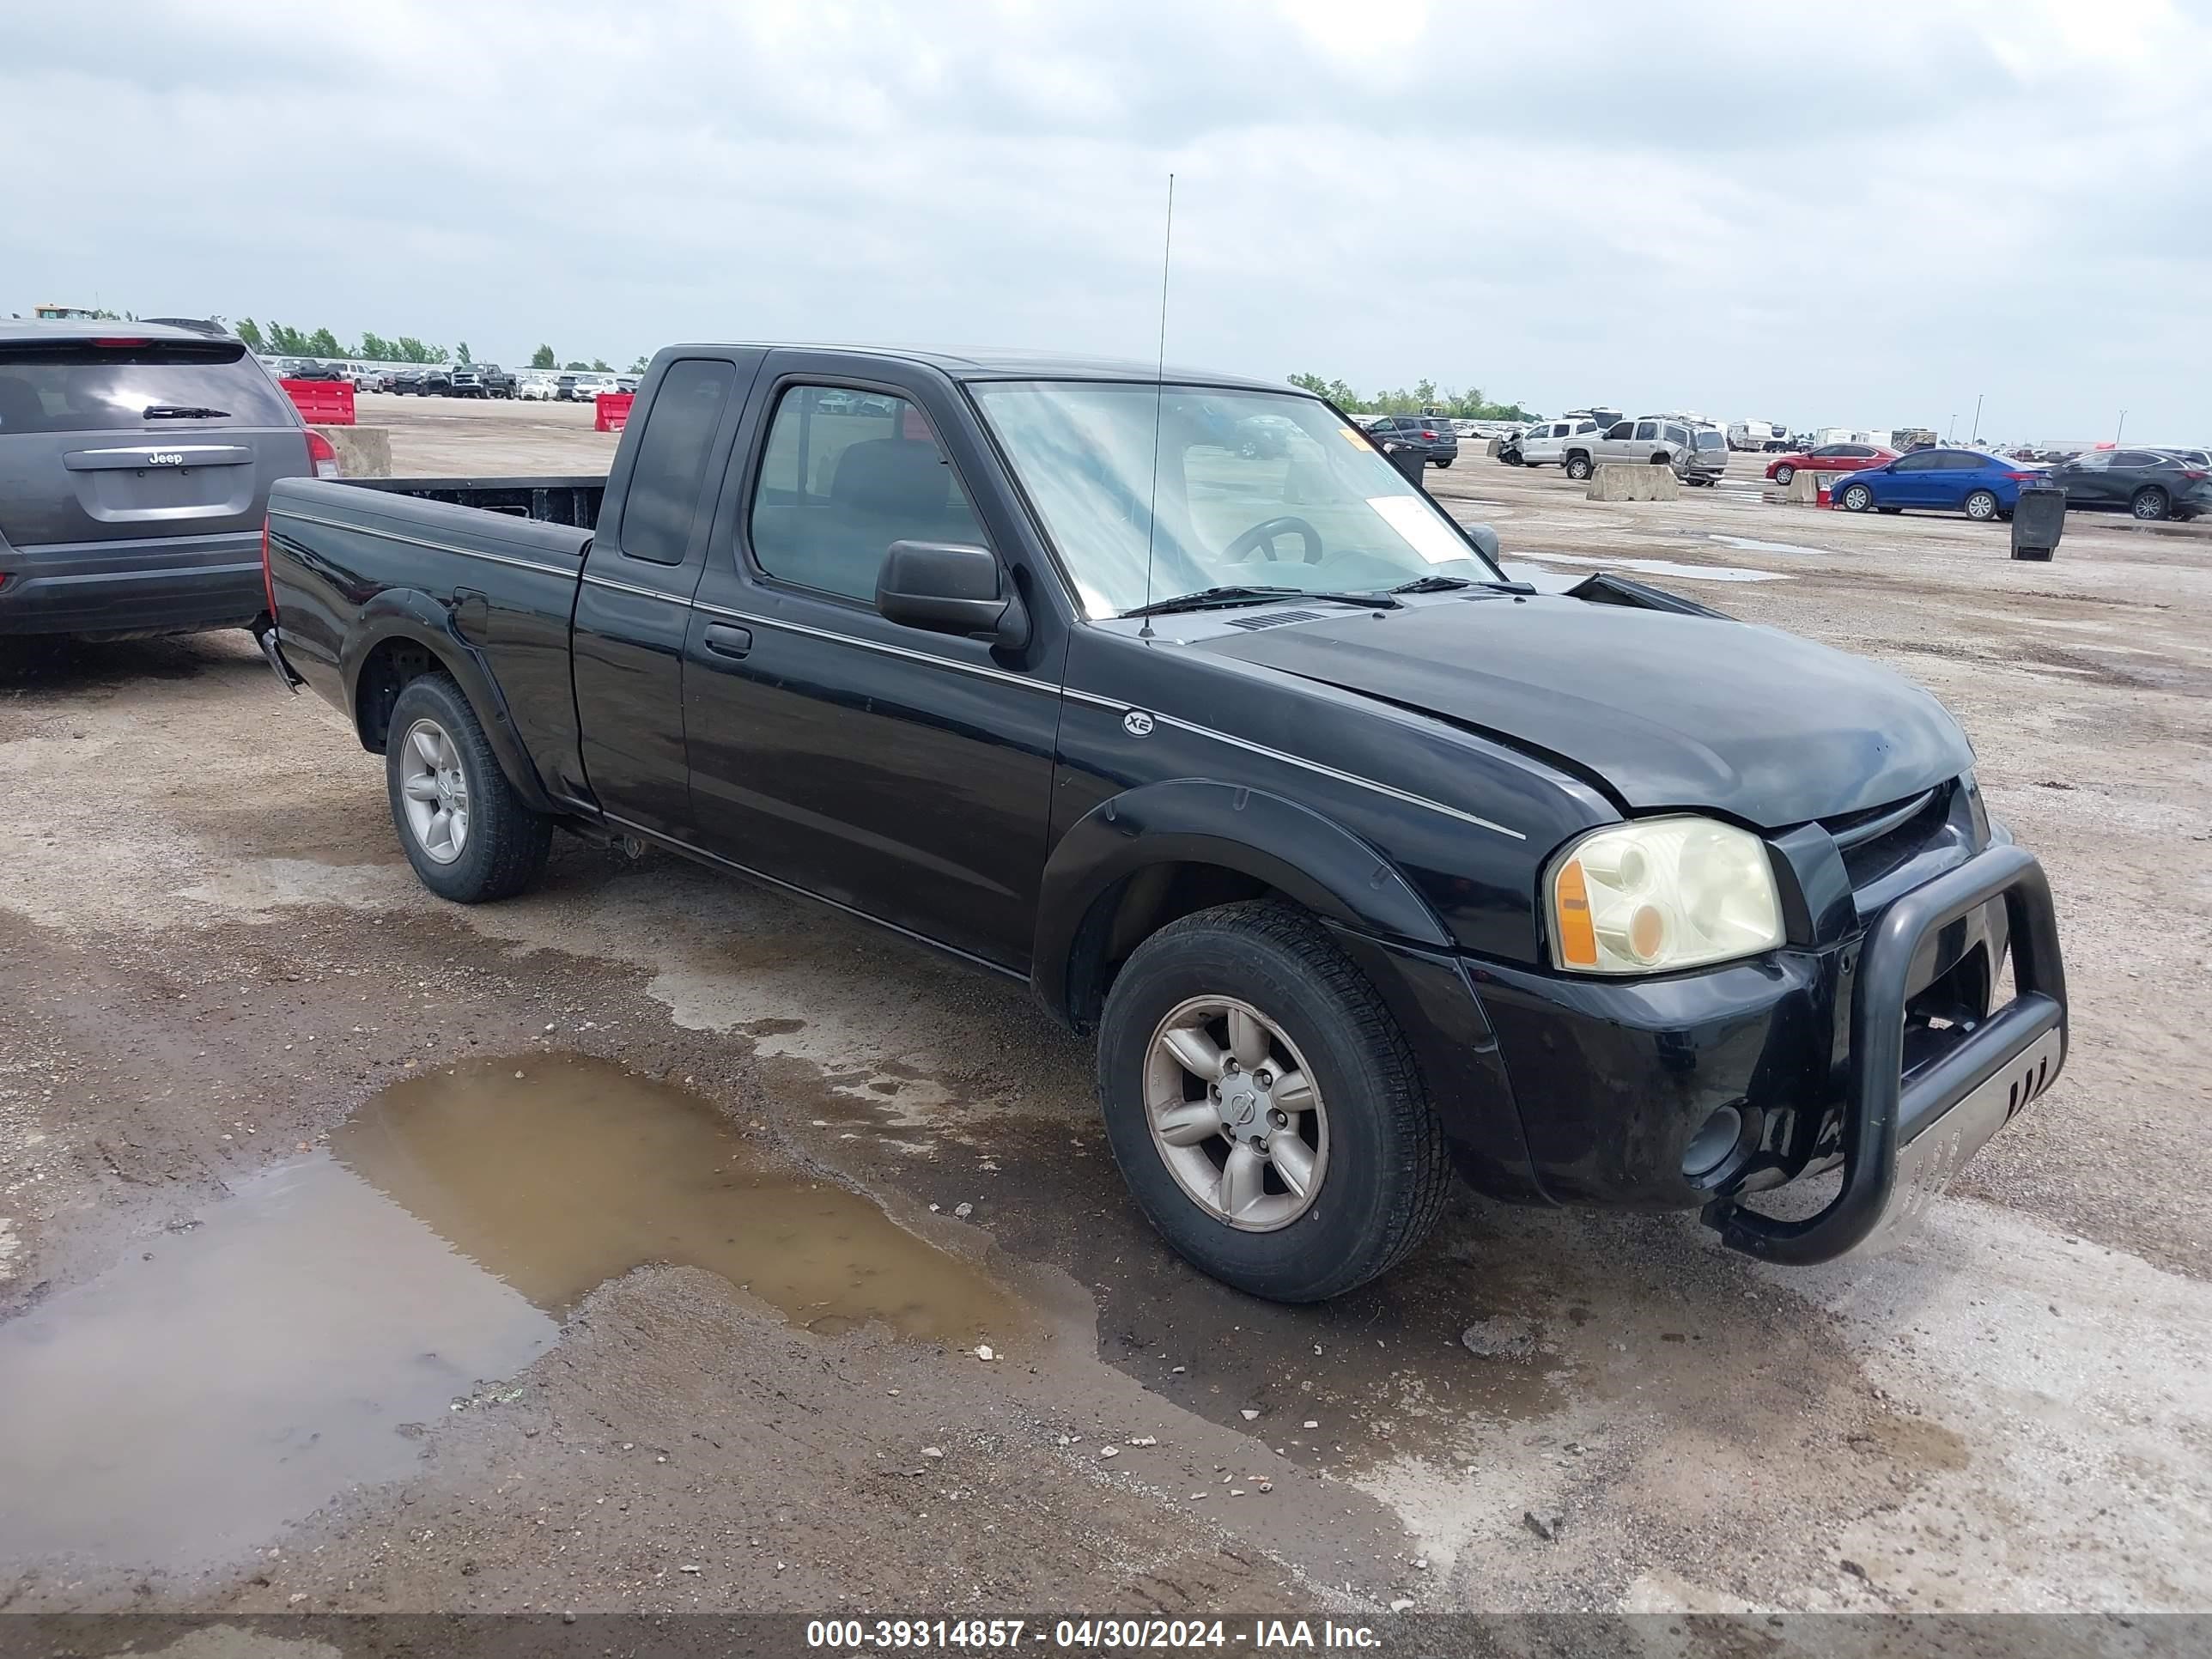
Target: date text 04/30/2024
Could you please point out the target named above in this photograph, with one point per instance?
(1084, 1634)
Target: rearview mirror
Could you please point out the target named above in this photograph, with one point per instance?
(950, 588)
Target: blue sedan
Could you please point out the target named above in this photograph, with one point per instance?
(1983, 487)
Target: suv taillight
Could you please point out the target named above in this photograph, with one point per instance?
(323, 456)
(1427, 433)
(268, 581)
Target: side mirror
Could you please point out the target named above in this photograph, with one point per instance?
(950, 588)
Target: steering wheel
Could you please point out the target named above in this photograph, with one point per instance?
(1264, 535)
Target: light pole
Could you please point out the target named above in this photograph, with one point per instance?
(1978, 395)
(2121, 427)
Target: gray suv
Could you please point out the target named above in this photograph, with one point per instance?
(1697, 451)
(134, 466)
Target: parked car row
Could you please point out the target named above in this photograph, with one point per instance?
(1919, 474)
(459, 379)
(2146, 483)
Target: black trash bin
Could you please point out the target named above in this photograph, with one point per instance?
(2038, 521)
(1412, 460)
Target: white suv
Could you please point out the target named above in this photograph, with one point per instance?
(1545, 442)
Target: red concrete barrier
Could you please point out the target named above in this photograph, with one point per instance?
(323, 402)
(612, 410)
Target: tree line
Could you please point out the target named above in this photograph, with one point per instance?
(282, 340)
(286, 341)
(544, 357)
(1424, 397)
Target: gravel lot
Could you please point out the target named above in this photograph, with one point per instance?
(233, 1010)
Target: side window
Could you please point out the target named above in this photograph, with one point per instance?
(844, 476)
(1676, 434)
(1646, 430)
(2096, 461)
(1584, 428)
(672, 460)
(1622, 431)
(2135, 458)
(1919, 461)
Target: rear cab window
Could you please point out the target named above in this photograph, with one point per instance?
(663, 499)
(135, 385)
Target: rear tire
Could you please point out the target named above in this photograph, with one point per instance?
(1578, 467)
(463, 827)
(1783, 475)
(2149, 503)
(1366, 1138)
(1982, 506)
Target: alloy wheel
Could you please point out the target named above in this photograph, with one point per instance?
(436, 787)
(1235, 1114)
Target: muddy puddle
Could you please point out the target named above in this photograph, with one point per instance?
(556, 1174)
(296, 1340)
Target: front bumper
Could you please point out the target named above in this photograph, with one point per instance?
(1877, 1053)
(1905, 1133)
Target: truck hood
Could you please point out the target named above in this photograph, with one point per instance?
(1661, 710)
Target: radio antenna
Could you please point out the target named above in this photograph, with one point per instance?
(1159, 397)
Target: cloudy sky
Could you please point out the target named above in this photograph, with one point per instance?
(1857, 215)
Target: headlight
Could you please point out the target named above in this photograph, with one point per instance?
(1660, 894)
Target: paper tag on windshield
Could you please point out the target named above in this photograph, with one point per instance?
(1415, 520)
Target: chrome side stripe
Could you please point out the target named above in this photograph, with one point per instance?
(436, 547)
(977, 670)
(1300, 761)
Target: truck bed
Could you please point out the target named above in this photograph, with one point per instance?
(490, 565)
(563, 500)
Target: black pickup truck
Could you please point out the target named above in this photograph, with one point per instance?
(1362, 860)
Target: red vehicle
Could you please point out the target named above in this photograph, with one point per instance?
(1828, 457)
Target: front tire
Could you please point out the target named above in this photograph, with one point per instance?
(1856, 498)
(463, 827)
(2149, 503)
(1264, 1106)
(1982, 506)
(1783, 475)
(1578, 467)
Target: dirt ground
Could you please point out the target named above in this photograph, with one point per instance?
(233, 1236)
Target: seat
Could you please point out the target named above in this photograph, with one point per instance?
(905, 477)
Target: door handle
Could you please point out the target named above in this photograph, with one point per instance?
(726, 641)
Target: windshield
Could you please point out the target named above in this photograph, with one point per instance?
(1255, 488)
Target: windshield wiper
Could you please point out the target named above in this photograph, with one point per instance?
(182, 412)
(1211, 598)
(1448, 584)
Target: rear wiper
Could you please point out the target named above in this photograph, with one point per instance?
(182, 412)
(1210, 599)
